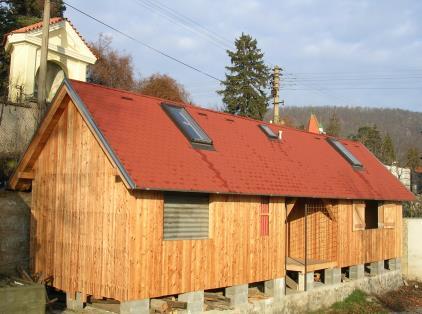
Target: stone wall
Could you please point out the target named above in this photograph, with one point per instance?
(14, 230)
(412, 248)
(17, 126)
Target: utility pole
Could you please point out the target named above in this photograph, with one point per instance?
(276, 94)
(42, 74)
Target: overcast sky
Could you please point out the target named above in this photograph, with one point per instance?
(366, 53)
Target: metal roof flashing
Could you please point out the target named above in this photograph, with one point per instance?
(83, 109)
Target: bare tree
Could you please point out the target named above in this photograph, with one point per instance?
(163, 86)
(113, 68)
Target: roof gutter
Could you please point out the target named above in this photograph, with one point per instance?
(83, 109)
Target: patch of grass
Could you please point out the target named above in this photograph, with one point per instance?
(357, 297)
(357, 302)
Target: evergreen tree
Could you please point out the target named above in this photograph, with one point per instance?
(247, 79)
(388, 153)
(413, 158)
(371, 138)
(334, 126)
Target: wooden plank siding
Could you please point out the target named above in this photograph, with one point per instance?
(96, 237)
(364, 246)
(321, 233)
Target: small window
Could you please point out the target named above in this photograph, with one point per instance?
(371, 215)
(345, 153)
(189, 127)
(186, 216)
(265, 216)
(266, 129)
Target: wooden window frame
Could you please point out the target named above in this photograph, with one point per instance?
(389, 215)
(264, 216)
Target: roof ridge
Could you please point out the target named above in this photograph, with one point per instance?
(53, 21)
(212, 110)
(36, 25)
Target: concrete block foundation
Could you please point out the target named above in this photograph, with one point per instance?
(376, 268)
(238, 295)
(332, 276)
(393, 264)
(135, 307)
(74, 301)
(324, 296)
(357, 271)
(275, 288)
(309, 281)
(195, 301)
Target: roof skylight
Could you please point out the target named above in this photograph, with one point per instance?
(189, 127)
(266, 129)
(345, 153)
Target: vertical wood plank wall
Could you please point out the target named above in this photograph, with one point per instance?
(351, 247)
(364, 246)
(95, 237)
(321, 234)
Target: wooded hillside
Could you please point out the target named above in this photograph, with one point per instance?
(404, 126)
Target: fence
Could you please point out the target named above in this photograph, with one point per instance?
(18, 123)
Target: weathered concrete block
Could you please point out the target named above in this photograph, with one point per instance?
(238, 295)
(357, 271)
(398, 263)
(74, 301)
(376, 268)
(309, 281)
(332, 276)
(23, 299)
(135, 307)
(394, 264)
(195, 301)
(275, 288)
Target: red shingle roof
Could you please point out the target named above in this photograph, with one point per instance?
(157, 155)
(53, 20)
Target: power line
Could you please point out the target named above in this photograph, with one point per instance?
(347, 88)
(178, 18)
(142, 43)
(352, 78)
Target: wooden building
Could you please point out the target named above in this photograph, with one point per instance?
(134, 198)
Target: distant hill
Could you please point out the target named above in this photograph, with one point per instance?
(404, 126)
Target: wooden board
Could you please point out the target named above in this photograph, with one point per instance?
(96, 237)
(321, 233)
(365, 246)
(298, 264)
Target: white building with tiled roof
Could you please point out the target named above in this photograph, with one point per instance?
(68, 56)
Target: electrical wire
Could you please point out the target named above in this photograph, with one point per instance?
(142, 43)
(188, 23)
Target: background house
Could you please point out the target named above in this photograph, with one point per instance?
(68, 56)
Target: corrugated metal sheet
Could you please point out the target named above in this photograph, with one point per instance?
(186, 216)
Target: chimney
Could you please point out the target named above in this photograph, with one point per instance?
(280, 135)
